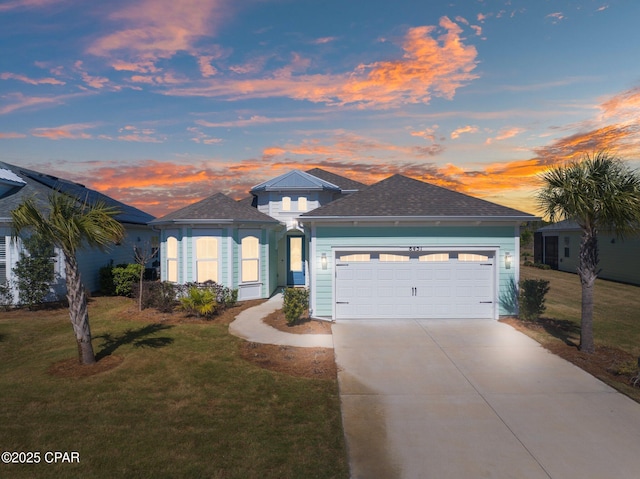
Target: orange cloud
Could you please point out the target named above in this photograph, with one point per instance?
(625, 106)
(429, 66)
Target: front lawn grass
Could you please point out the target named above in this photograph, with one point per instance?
(182, 403)
(616, 317)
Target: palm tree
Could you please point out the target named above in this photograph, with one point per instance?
(69, 224)
(600, 193)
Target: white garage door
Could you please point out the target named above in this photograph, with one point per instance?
(420, 284)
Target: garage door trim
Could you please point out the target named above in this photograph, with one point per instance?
(492, 251)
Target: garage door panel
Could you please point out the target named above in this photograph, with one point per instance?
(440, 288)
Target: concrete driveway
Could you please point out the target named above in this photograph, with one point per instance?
(475, 399)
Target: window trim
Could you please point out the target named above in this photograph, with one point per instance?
(251, 259)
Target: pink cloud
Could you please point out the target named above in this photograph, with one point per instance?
(30, 81)
(323, 40)
(465, 129)
(154, 29)
(11, 135)
(74, 131)
(25, 4)
(18, 101)
(505, 134)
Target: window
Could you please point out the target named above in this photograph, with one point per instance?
(295, 253)
(302, 203)
(360, 258)
(286, 203)
(250, 252)
(472, 257)
(434, 257)
(566, 253)
(384, 257)
(3, 259)
(172, 259)
(206, 259)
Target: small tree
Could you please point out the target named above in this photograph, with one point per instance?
(143, 254)
(532, 298)
(34, 270)
(600, 193)
(70, 223)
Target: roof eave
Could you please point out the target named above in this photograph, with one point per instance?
(449, 219)
(210, 221)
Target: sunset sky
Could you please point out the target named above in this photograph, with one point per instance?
(159, 103)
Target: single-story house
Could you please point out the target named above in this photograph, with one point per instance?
(400, 248)
(17, 183)
(558, 245)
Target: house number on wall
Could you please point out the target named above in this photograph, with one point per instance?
(415, 248)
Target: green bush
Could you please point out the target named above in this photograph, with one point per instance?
(124, 277)
(532, 298)
(155, 294)
(6, 296)
(105, 280)
(295, 303)
(199, 301)
(34, 271)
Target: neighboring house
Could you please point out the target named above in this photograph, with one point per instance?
(400, 248)
(17, 183)
(558, 245)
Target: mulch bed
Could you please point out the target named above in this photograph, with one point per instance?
(302, 326)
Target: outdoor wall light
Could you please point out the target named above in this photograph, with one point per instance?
(507, 260)
(323, 261)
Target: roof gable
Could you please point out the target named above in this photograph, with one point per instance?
(295, 180)
(217, 208)
(345, 184)
(400, 196)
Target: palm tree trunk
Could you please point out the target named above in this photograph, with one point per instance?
(588, 271)
(78, 312)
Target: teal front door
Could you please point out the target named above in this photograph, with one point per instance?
(295, 261)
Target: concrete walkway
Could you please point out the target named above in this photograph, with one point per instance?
(249, 325)
(475, 399)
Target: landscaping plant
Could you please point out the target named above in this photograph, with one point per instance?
(199, 301)
(532, 298)
(296, 302)
(34, 271)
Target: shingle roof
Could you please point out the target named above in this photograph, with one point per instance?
(295, 180)
(216, 208)
(399, 196)
(345, 184)
(39, 185)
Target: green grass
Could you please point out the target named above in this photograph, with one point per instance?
(616, 312)
(182, 404)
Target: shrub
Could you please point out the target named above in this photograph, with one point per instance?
(532, 298)
(105, 279)
(6, 296)
(124, 277)
(199, 301)
(34, 271)
(295, 303)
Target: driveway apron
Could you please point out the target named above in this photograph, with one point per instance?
(475, 399)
